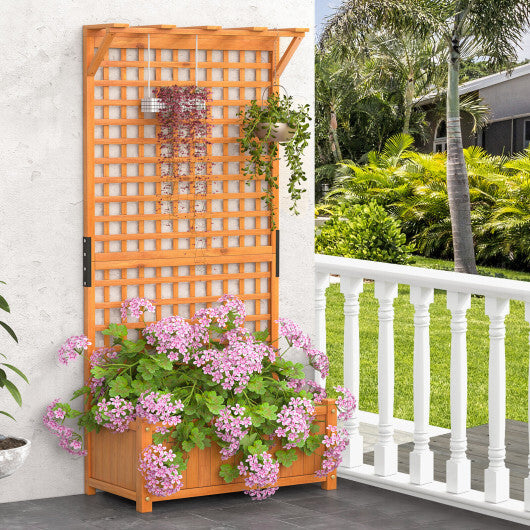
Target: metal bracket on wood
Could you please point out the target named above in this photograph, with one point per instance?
(286, 57)
(277, 253)
(100, 54)
(87, 262)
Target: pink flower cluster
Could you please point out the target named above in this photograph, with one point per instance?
(232, 426)
(345, 403)
(73, 347)
(298, 339)
(101, 355)
(220, 314)
(158, 408)
(115, 414)
(319, 393)
(137, 307)
(235, 363)
(295, 421)
(293, 334)
(261, 473)
(175, 337)
(69, 440)
(336, 442)
(162, 477)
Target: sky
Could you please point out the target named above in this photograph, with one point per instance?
(325, 8)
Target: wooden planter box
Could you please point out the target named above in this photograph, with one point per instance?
(112, 465)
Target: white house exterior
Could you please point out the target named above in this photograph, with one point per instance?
(508, 130)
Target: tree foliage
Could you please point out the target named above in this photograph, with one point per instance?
(412, 187)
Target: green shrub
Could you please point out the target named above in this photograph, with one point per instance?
(363, 231)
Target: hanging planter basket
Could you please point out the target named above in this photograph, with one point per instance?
(274, 132)
(151, 105)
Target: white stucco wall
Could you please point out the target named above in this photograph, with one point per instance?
(41, 194)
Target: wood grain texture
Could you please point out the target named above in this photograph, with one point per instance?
(114, 458)
(216, 237)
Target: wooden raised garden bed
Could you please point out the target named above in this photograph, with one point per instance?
(113, 461)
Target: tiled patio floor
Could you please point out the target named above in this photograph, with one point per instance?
(351, 506)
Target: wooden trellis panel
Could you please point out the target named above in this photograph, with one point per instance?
(182, 244)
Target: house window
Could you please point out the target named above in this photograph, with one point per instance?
(440, 138)
(526, 133)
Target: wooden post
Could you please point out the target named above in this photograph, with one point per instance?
(497, 476)
(144, 438)
(351, 288)
(331, 419)
(385, 450)
(421, 459)
(458, 467)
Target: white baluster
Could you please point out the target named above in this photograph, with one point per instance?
(385, 450)
(421, 458)
(527, 480)
(497, 476)
(351, 288)
(458, 467)
(321, 284)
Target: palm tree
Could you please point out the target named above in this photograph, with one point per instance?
(411, 60)
(491, 27)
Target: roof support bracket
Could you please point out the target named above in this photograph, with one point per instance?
(286, 57)
(100, 54)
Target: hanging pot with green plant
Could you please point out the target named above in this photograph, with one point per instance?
(277, 122)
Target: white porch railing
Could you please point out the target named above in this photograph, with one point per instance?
(495, 500)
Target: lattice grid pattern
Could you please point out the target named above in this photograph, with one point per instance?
(180, 242)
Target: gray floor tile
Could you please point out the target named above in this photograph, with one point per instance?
(352, 506)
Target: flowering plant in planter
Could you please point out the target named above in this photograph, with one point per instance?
(202, 381)
(278, 122)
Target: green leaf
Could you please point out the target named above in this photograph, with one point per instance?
(116, 330)
(13, 390)
(315, 427)
(257, 420)
(119, 387)
(228, 472)
(9, 330)
(81, 391)
(312, 444)
(98, 372)
(213, 401)
(16, 370)
(3, 304)
(257, 448)
(187, 445)
(257, 385)
(286, 458)
(5, 413)
(261, 336)
(267, 410)
(248, 440)
(133, 346)
(139, 387)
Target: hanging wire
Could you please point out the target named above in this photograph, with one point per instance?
(196, 60)
(149, 65)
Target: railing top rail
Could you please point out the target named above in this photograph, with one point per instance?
(444, 280)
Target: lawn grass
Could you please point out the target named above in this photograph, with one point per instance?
(517, 352)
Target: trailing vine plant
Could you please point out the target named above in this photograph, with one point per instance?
(264, 152)
(184, 132)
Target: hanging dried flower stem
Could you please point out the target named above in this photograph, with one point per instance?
(185, 128)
